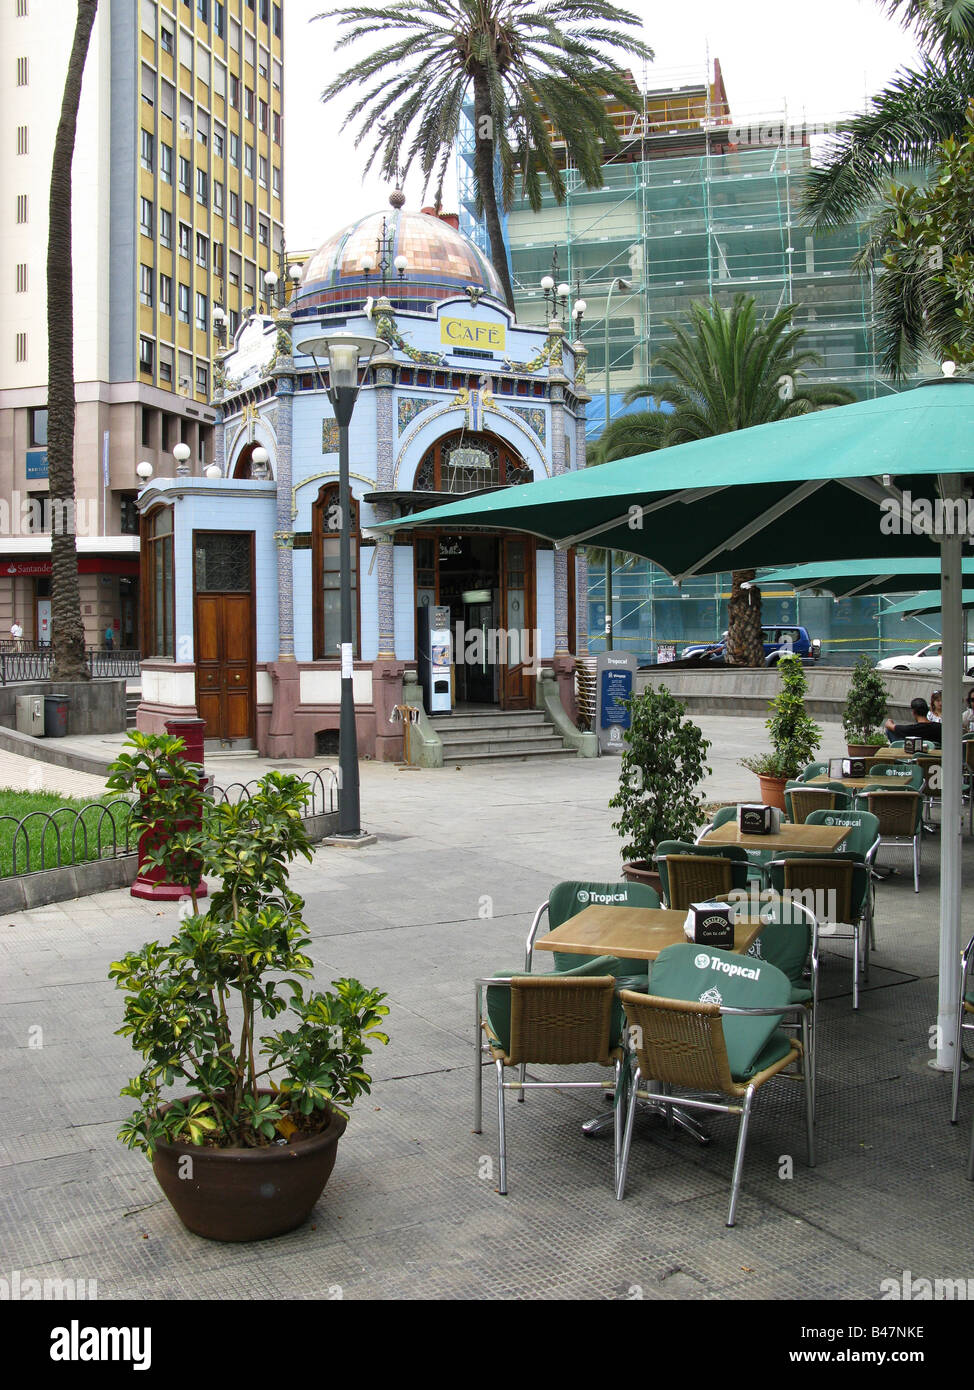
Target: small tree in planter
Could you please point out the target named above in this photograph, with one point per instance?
(865, 709)
(663, 764)
(168, 815)
(263, 1115)
(795, 737)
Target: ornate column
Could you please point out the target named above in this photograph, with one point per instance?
(387, 672)
(557, 381)
(284, 672)
(581, 557)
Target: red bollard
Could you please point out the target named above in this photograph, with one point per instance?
(151, 881)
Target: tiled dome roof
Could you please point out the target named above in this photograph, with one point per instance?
(441, 262)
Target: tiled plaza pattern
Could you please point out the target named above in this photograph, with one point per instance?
(406, 1213)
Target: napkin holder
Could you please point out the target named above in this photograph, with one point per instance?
(758, 820)
(710, 924)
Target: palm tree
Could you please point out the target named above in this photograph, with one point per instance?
(536, 74)
(907, 120)
(67, 628)
(727, 370)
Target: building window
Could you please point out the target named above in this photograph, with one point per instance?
(165, 163)
(263, 231)
(21, 139)
(20, 347)
(276, 11)
(184, 304)
(326, 604)
(201, 382)
(202, 9)
(234, 92)
(234, 36)
(248, 104)
(249, 161)
(165, 294)
(37, 420)
(146, 427)
(148, 85)
(21, 9)
(261, 114)
(157, 571)
(277, 74)
(148, 143)
(166, 40)
(22, 72)
(218, 259)
(202, 247)
(218, 198)
(276, 182)
(250, 49)
(165, 374)
(201, 312)
(203, 128)
(277, 128)
(233, 321)
(145, 354)
(165, 228)
(184, 236)
(145, 285)
(145, 217)
(202, 182)
(235, 150)
(21, 207)
(234, 209)
(219, 19)
(262, 171)
(168, 102)
(264, 11)
(186, 49)
(249, 218)
(185, 174)
(22, 277)
(218, 141)
(128, 514)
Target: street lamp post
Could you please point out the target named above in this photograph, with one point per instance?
(343, 354)
(625, 286)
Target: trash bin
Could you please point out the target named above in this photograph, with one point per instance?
(56, 715)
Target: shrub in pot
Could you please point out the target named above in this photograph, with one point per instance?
(245, 1145)
(168, 814)
(663, 764)
(865, 710)
(795, 737)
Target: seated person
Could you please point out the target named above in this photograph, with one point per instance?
(937, 707)
(923, 727)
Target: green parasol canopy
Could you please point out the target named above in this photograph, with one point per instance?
(862, 578)
(927, 602)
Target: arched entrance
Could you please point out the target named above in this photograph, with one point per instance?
(485, 582)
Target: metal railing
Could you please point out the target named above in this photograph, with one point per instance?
(323, 784)
(66, 836)
(20, 662)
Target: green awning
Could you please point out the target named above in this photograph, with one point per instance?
(861, 578)
(927, 602)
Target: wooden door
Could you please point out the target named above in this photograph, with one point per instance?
(518, 617)
(224, 634)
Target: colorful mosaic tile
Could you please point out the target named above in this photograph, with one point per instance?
(329, 436)
(409, 407)
(534, 419)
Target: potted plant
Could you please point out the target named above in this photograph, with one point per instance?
(663, 764)
(865, 710)
(795, 737)
(245, 1146)
(168, 815)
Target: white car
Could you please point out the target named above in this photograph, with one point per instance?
(926, 661)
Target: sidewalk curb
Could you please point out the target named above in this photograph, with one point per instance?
(46, 751)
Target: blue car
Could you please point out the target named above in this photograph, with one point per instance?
(779, 640)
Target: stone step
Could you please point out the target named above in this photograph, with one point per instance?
(511, 723)
(449, 758)
(464, 747)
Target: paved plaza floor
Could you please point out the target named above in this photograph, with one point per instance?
(446, 894)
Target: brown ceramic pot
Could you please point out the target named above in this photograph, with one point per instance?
(642, 871)
(247, 1194)
(773, 791)
(865, 750)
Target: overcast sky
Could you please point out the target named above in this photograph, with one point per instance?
(822, 57)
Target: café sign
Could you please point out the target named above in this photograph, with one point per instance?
(471, 334)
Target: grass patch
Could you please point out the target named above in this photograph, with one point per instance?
(41, 821)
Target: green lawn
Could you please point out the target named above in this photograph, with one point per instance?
(83, 827)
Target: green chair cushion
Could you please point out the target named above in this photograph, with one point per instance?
(777, 1046)
(498, 1001)
(691, 972)
(568, 898)
(800, 995)
(785, 945)
(862, 836)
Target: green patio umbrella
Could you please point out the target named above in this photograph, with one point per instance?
(882, 476)
(861, 578)
(927, 602)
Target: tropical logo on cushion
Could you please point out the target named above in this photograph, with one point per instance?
(704, 962)
(584, 896)
(712, 996)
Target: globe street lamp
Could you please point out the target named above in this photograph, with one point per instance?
(625, 286)
(181, 454)
(343, 353)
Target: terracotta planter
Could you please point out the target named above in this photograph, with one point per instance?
(642, 871)
(865, 750)
(247, 1194)
(773, 791)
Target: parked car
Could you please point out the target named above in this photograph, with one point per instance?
(778, 640)
(926, 661)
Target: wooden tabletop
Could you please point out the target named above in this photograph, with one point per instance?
(902, 753)
(632, 933)
(827, 838)
(854, 784)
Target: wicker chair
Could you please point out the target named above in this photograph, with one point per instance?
(757, 858)
(903, 774)
(899, 816)
(839, 886)
(862, 842)
(801, 801)
(788, 940)
(571, 897)
(698, 873)
(554, 1020)
(812, 770)
(965, 1022)
(682, 1044)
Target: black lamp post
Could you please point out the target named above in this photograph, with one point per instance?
(343, 353)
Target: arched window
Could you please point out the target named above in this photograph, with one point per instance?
(466, 462)
(326, 607)
(157, 597)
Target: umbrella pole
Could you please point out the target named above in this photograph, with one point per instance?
(950, 791)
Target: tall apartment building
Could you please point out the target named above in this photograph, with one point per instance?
(177, 208)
